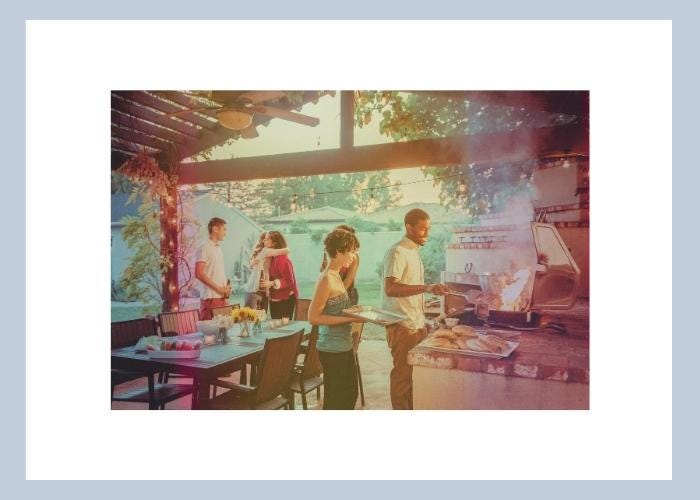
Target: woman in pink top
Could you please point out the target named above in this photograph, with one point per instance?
(282, 283)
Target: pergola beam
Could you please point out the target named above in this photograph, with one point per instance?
(477, 148)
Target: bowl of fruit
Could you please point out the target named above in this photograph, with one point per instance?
(169, 349)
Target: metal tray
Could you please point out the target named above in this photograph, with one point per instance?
(376, 315)
(480, 354)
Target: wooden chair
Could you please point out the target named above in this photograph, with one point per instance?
(224, 310)
(128, 333)
(307, 375)
(178, 322)
(301, 311)
(357, 329)
(274, 372)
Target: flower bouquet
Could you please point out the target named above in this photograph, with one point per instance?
(223, 323)
(245, 316)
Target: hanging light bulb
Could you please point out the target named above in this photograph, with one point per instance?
(294, 202)
(462, 185)
(312, 194)
(566, 163)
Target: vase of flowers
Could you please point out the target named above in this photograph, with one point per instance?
(223, 323)
(245, 316)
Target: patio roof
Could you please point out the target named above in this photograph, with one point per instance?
(145, 120)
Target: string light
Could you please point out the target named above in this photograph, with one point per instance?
(462, 185)
(294, 203)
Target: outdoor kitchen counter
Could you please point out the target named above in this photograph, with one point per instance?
(547, 370)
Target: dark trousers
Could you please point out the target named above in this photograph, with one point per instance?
(339, 380)
(283, 308)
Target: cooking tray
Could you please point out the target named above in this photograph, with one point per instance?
(375, 315)
(480, 354)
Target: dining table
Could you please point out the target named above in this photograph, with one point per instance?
(214, 361)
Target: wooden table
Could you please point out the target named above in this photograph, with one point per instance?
(214, 361)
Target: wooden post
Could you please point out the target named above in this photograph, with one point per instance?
(169, 249)
(347, 119)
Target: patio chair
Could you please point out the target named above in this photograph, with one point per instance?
(357, 329)
(178, 322)
(128, 333)
(173, 324)
(307, 375)
(274, 372)
(301, 311)
(224, 310)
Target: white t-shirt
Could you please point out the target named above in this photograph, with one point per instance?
(402, 261)
(213, 256)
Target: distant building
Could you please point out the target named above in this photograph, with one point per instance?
(318, 218)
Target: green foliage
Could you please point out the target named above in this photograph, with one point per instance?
(121, 183)
(299, 226)
(394, 225)
(317, 235)
(406, 116)
(141, 279)
(433, 253)
(362, 225)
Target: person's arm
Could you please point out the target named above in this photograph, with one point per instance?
(285, 279)
(318, 302)
(267, 253)
(352, 272)
(199, 273)
(393, 288)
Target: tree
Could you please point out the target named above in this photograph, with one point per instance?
(407, 116)
(299, 226)
(364, 192)
(142, 278)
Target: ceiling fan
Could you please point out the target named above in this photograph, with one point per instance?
(235, 111)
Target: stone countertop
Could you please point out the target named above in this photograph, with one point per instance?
(542, 354)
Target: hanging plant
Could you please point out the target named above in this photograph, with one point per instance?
(143, 168)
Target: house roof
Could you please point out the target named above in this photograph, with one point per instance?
(437, 213)
(322, 214)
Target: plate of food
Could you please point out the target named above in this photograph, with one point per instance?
(375, 315)
(487, 346)
(175, 349)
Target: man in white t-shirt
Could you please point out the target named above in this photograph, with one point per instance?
(402, 292)
(209, 269)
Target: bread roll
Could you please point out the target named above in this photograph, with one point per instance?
(444, 333)
(464, 331)
(440, 342)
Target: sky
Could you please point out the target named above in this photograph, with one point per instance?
(282, 136)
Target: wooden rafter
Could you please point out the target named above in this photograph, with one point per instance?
(507, 146)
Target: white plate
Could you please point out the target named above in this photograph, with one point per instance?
(174, 354)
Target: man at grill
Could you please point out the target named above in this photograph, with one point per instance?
(209, 269)
(402, 292)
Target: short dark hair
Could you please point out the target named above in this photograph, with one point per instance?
(277, 239)
(346, 227)
(340, 241)
(413, 216)
(215, 222)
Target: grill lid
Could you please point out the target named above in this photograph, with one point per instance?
(556, 274)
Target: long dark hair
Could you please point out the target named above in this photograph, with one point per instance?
(277, 239)
(259, 245)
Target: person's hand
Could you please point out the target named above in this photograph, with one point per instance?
(266, 283)
(436, 289)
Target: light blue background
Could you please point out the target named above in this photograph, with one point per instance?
(685, 185)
